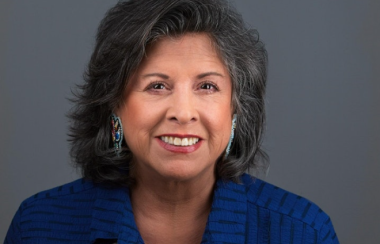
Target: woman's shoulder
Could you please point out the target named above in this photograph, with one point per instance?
(283, 208)
(71, 198)
(72, 211)
(78, 189)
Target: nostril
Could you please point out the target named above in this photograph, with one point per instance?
(173, 119)
(182, 119)
(181, 114)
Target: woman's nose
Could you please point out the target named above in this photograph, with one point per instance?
(182, 109)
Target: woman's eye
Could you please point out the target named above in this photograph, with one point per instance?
(158, 86)
(209, 86)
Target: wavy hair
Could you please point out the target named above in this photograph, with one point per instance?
(121, 42)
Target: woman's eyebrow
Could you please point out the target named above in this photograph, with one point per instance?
(163, 76)
(203, 75)
(200, 76)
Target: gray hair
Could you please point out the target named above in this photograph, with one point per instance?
(121, 42)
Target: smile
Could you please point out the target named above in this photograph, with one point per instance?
(176, 141)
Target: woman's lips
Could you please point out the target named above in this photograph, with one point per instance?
(179, 143)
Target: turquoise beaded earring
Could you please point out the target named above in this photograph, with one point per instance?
(117, 133)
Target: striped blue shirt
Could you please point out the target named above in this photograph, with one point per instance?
(251, 212)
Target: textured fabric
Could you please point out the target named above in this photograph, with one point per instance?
(251, 212)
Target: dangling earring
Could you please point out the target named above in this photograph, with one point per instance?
(233, 127)
(117, 133)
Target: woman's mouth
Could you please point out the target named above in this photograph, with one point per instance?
(179, 143)
(176, 141)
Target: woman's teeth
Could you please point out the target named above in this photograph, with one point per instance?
(179, 141)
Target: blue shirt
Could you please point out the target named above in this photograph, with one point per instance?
(251, 212)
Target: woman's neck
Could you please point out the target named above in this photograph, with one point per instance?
(172, 211)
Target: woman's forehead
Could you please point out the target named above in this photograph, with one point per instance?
(189, 48)
(188, 41)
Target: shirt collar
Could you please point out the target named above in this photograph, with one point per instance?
(228, 216)
(112, 217)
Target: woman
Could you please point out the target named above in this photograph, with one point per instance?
(168, 120)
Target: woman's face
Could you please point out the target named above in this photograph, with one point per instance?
(176, 113)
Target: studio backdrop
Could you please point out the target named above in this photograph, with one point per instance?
(323, 100)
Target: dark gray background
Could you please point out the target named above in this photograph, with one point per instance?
(323, 100)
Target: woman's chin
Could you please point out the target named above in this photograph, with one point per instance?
(181, 171)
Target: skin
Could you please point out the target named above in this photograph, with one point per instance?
(181, 87)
